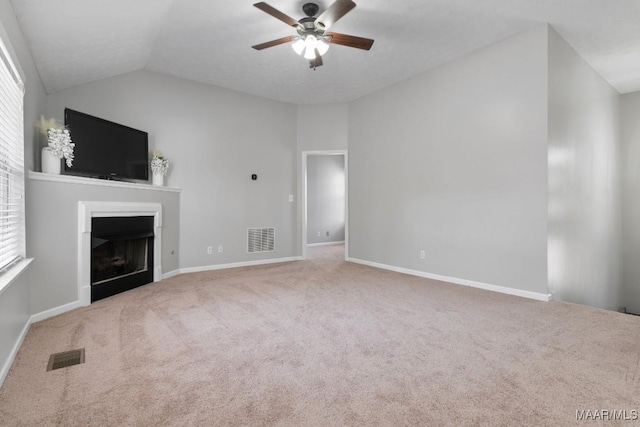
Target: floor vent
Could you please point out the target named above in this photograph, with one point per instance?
(260, 240)
(65, 359)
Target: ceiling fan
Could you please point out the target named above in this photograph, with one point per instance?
(312, 35)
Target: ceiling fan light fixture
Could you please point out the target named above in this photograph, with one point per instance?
(322, 47)
(298, 46)
(310, 43)
(309, 54)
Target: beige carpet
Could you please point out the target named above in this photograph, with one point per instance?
(324, 342)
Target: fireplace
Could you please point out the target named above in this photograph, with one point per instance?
(115, 239)
(121, 254)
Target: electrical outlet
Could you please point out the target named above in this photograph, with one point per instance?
(290, 197)
(219, 249)
(209, 250)
(423, 255)
(318, 234)
(327, 234)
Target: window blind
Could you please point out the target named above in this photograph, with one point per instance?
(11, 161)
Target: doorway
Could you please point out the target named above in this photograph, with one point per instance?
(325, 219)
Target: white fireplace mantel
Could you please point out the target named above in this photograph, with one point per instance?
(88, 210)
(79, 180)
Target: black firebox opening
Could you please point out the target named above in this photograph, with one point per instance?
(121, 254)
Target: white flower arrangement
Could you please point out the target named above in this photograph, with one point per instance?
(58, 138)
(159, 164)
(61, 145)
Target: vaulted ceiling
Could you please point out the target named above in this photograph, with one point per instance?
(209, 41)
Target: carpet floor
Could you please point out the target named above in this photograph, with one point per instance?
(325, 342)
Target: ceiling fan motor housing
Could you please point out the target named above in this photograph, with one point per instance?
(308, 25)
(310, 9)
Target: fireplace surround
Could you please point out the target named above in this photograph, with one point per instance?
(88, 210)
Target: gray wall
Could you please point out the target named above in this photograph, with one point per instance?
(631, 197)
(454, 162)
(15, 307)
(52, 220)
(322, 127)
(584, 182)
(215, 139)
(325, 198)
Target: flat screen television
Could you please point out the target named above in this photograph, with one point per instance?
(105, 149)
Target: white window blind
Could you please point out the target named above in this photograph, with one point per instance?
(11, 161)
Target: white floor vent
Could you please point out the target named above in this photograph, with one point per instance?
(260, 240)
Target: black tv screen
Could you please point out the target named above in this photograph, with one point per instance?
(106, 149)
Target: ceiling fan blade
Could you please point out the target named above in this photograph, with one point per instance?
(274, 42)
(336, 11)
(277, 14)
(347, 40)
(316, 62)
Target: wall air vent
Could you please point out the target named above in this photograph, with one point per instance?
(260, 240)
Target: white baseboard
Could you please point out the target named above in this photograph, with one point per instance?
(14, 352)
(170, 274)
(54, 311)
(313, 245)
(239, 264)
(486, 286)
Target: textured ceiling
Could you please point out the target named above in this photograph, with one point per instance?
(209, 41)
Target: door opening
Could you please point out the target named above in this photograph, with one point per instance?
(325, 219)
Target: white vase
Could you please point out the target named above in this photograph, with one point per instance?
(50, 162)
(157, 179)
